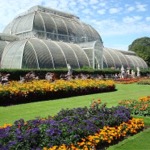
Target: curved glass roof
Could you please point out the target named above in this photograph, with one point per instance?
(6, 37)
(47, 23)
(94, 51)
(38, 53)
(2, 46)
(116, 58)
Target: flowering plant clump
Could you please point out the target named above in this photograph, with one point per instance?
(71, 128)
(127, 80)
(15, 92)
(138, 107)
(5, 126)
(144, 81)
(144, 99)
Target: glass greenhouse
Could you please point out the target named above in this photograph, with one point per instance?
(115, 58)
(47, 38)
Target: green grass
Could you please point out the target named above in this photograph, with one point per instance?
(141, 141)
(146, 120)
(42, 109)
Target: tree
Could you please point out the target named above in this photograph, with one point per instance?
(141, 47)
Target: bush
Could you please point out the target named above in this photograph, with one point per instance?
(145, 72)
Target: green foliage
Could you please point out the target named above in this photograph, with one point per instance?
(16, 73)
(141, 47)
(145, 72)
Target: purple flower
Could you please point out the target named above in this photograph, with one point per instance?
(53, 132)
(4, 133)
(12, 144)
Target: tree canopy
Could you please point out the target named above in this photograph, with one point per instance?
(141, 47)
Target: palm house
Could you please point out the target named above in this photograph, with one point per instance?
(46, 38)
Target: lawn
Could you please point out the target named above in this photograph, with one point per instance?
(42, 109)
(140, 141)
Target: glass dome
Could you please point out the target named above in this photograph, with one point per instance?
(46, 23)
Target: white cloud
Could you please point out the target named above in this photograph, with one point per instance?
(92, 2)
(130, 8)
(63, 5)
(101, 11)
(141, 7)
(133, 19)
(72, 3)
(87, 11)
(147, 18)
(114, 10)
(111, 27)
(83, 2)
(52, 4)
(102, 4)
(95, 7)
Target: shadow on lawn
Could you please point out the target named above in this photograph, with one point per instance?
(37, 96)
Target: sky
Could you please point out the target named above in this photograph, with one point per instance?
(119, 22)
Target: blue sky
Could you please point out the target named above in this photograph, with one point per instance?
(119, 22)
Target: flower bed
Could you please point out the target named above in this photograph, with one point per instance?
(127, 80)
(78, 128)
(104, 137)
(138, 107)
(144, 82)
(16, 93)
